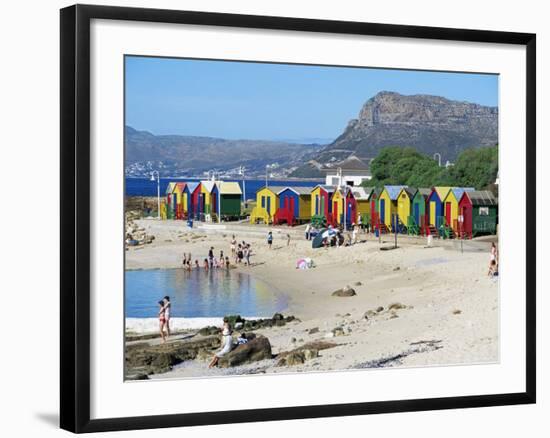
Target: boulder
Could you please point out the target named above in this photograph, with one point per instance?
(396, 306)
(344, 292)
(313, 330)
(338, 331)
(292, 358)
(209, 331)
(255, 350)
(148, 359)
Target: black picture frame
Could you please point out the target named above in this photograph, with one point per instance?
(75, 217)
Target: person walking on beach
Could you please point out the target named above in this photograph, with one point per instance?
(269, 239)
(162, 320)
(308, 230)
(288, 239)
(360, 221)
(233, 245)
(167, 308)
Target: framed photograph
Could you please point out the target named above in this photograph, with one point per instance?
(268, 218)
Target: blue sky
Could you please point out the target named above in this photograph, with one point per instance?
(241, 100)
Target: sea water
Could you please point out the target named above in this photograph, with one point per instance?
(146, 187)
(200, 293)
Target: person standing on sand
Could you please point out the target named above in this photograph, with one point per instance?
(162, 320)
(308, 229)
(211, 256)
(288, 239)
(269, 239)
(354, 234)
(233, 245)
(493, 257)
(167, 307)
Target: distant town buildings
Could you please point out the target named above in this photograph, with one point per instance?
(351, 172)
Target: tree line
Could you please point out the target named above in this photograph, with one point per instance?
(475, 167)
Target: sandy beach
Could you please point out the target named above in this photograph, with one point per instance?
(414, 305)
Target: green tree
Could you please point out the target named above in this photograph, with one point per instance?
(476, 167)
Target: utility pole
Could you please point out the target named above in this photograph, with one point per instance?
(439, 158)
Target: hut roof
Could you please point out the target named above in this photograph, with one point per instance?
(326, 188)
(170, 187)
(458, 191)
(442, 192)
(361, 193)
(274, 189)
(192, 186)
(230, 188)
(410, 191)
(393, 191)
(180, 186)
(208, 185)
(481, 197)
(425, 192)
(298, 190)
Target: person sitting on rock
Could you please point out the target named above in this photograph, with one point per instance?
(242, 339)
(227, 344)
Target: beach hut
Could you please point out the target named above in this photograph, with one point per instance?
(170, 200)
(230, 199)
(387, 204)
(362, 199)
(267, 201)
(351, 208)
(450, 206)
(338, 202)
(417, 219)
(404, 204)
(435, 206)
(196, 200)
(479, 214)
(294, 205)
(179, 200)
(321, 202)
(375, 207)
(188, 192)
(208, 189)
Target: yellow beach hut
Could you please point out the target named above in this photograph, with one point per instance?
(404, 202)
(180, 200)
(450, 206)
(362, 199)
(388, 204)
(338, 202)
(435, 205)
(267, 202)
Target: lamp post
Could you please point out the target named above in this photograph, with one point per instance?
(439, 158)
(219, 200)
(241, 172)
(267, 166)
(158, 189)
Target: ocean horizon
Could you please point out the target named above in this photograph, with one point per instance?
(146, 187)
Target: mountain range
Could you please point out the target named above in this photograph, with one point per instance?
(430, 124)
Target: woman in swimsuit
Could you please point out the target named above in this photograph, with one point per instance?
(162, 320)
(167, 307)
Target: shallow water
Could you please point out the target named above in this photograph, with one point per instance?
(200, 293)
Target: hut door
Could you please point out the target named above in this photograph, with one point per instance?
(268, 205)
(382, 210)
(291, 207)
(448, 212)
(335, 211)
(316, 204)
(417, 214)
(432, 213)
